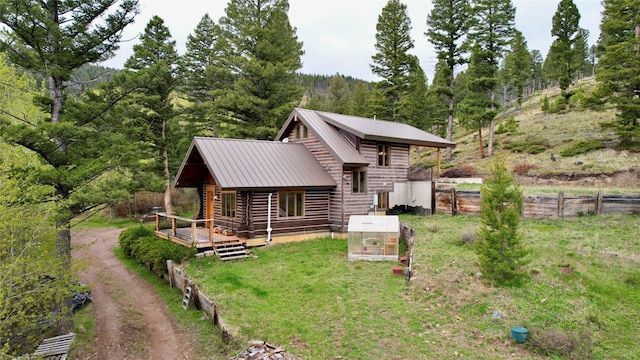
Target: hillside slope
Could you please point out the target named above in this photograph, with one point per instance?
(539, 137)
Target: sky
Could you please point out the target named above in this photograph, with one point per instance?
(338, 36)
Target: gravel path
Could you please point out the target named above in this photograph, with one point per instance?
(132, 322)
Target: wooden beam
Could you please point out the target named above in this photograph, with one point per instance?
(438, 167)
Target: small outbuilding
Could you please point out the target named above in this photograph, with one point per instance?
(373, 237)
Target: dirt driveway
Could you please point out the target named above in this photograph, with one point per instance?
(132, 322)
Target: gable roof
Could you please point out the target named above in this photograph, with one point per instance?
(252, 164)
(326, 125)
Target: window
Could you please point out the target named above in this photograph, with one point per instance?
(359, 179)
(383, 200)
(229, 204)
(384, 154)
(291, 204)
(302, 132)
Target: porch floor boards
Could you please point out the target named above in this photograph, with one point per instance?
(183, 237)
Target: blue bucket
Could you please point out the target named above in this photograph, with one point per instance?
(519, 334)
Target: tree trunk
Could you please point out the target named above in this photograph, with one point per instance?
(450, 117)
(480, 140)
(492, 124)
(168, 205)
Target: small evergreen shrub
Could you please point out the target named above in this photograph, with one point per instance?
(459, 172)
(558, 105)
(141, 244)
(510, 126)
(582, 146)
(530, 145)
(130, 236)
(545, 104)
(523, 168)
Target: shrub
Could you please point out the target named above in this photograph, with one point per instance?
(523, 168)
(459, 172)
(545, 104)
(530, 145)
(468, 237)
(582, 146)
(510, 126)
(559, 343)
(141, 244)
(130, 236)
(558, 105)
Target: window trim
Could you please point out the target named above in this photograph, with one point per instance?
(287, 193)
(384, 155)
(361, 181)
(383, 197)
(223, 210)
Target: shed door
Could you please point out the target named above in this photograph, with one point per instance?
(210, 198)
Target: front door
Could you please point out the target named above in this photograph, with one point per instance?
(210, 197)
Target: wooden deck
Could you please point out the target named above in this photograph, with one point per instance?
(198, 233)
(183, 236)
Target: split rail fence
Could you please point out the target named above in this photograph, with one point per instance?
(464, 202)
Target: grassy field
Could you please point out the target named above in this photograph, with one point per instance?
(583, 299)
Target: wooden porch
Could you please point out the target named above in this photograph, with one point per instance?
(200, 234)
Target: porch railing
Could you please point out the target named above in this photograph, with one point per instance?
(188, 230)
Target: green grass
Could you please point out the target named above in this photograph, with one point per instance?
(584, 294)
(84, 328)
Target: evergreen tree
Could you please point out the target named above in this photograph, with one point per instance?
(438, 96)
(593, 58)
(53, 38)
(500, 251)
(392, 61)
(477, 108)
(564, 30)
(338, 94)
(262, 53)
(360, 104)
(518, 65)
(202, 73)
(491, 33)
(537, 74)
(581, 54)
(153, 66)
(413, 106)
(448, 23)
(618, 71)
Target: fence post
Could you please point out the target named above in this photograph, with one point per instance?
(170, 271)
(454, 205)
(598, 205)
(561, 204)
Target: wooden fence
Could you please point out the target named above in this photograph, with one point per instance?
(451, 201)
(178, 278)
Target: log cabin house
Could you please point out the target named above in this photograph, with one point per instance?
(321, 169)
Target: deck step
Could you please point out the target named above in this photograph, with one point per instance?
(232, 253)
(234, 257)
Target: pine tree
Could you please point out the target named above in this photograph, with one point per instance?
(360, 104)
(53, 38)
(618, 71)
(438, 97)
(501, 254)
(564, 30)
(491, 33)
(339, 94)
(518, 65)
(537, 61)
(448, 23)
(413, 108)
(153, 66)
(202, 73)
(581, 54)
(392, 61)
(262, 53)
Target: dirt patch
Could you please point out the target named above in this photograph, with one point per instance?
(132, 322)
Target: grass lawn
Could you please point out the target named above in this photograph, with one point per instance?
(583, 299)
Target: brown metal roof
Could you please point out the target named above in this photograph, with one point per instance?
(252, 164)
(342, 150)
(380, 130)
